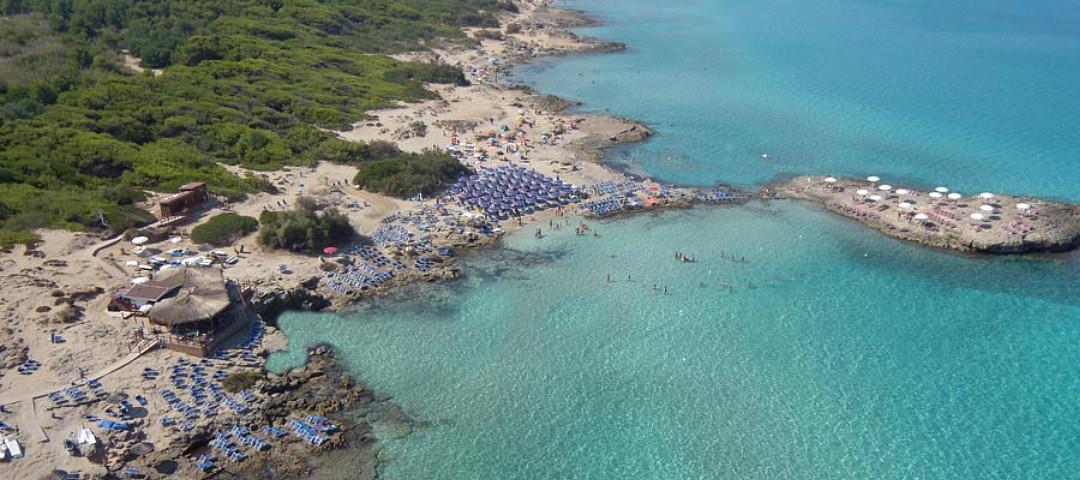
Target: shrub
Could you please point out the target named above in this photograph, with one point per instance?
(236, 382)
(513, 28)
(411, 173)
(492, 34)
(426, 72)
(303, 229)
(223, 229)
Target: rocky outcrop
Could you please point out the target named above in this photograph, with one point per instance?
(1051, 227)
(270, 301)
(321, 387)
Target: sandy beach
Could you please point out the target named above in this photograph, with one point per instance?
(54, 308)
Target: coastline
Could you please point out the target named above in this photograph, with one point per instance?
(300, 289)
(79, 271)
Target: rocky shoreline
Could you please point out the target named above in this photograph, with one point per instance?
(985, 223)
(320, 387)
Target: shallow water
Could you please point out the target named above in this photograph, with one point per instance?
(836, 352)
(852, 356)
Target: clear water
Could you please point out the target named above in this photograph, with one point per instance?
(837, 352)
(975, 95)
(853, 356)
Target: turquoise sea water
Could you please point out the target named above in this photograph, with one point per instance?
(976, 95)
(851, 356)
(836, 352)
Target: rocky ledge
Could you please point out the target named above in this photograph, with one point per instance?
(320, 387)
(985, 223)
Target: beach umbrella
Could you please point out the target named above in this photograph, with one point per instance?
(986, 195)
(905, 205)
(875, 198)
(977, 216)
(885, 188)
(955, 196)
(1023, 207)
(830, 180)
(986, 208)
(872, 178)
(921, 216)
(902, 191)
(941, 190)
(139, 240)
(862, 192)
(936, 195)
(330, 250)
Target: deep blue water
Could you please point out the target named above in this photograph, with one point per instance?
(833, 352)
(975, 95)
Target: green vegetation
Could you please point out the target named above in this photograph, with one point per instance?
(492, 34)
(236, 382)
(252, 83)
(304, 229)
(408, 174)
(223, 229)
(513, 28)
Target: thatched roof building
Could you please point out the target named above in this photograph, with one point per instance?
(201, 296)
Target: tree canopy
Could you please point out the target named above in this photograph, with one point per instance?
(254, 83)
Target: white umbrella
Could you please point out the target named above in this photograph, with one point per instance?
(986, 208)
(830, 180)
(905, 205)
(885, 188)
(986, 195)
(875, 198)
(921, 216)
(902, 191)
(1022, 206)
(139, 240)
(936, 195)
(862, 192)
(977, 216)
(941, 189)
(872, 178)
(955, 196)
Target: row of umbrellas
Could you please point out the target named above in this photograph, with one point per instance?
(939, 192)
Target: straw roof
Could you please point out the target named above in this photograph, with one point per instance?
(202, 296)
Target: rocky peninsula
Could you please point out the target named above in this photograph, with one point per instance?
(985, 222)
